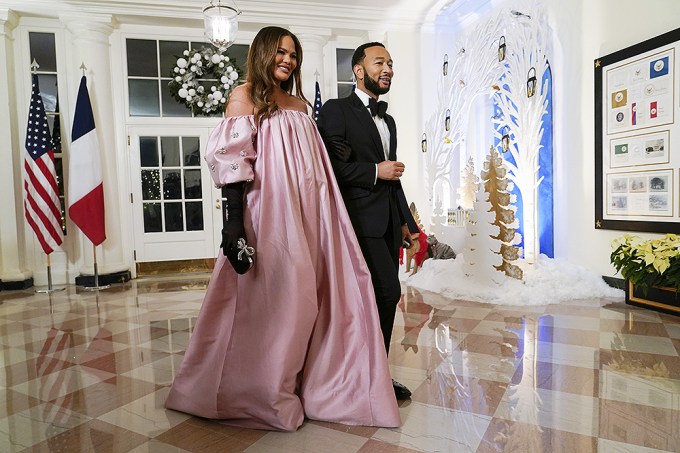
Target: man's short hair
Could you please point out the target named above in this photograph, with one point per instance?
(360, 53)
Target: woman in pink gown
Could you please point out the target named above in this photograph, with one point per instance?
(298, 334)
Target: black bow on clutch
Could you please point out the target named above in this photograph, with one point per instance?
(377, 107)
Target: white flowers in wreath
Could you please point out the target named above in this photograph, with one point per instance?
(202, 80)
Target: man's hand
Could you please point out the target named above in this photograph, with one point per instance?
(405, 236)
(390, 170)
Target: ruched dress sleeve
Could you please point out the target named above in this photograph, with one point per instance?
(230, 152)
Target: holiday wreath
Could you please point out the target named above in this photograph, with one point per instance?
(202, 80)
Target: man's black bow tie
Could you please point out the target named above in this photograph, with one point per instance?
(377, 107)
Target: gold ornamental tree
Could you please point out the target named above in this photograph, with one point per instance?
(497, 185)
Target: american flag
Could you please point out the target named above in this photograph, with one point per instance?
(42, 206)
(317, 101)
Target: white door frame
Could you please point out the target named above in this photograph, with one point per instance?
(174, 245)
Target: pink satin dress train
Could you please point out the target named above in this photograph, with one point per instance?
(298, 335)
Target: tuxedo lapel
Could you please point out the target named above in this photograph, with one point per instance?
(366, 121)
(392, 127)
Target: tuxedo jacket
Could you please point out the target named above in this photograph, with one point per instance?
(354, 146)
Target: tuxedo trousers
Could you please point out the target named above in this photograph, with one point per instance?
(382, 257)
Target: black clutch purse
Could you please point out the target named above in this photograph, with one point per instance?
(241, 257)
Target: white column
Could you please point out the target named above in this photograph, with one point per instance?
(313, 41)
(12, 240)
(90, 45)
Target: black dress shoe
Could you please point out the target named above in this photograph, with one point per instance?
(400, 390)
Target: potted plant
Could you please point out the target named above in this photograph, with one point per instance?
(651, 269)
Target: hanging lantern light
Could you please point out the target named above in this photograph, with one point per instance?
(447, 121)
(445, 67)
(221, 23)
(501, 48)
(423, 143)
(505, 140)
(531, 82)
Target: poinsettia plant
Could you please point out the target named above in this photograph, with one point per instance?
(654, 262)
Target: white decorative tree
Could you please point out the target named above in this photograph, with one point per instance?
(469, 184)
(522, 102)
(480, 253)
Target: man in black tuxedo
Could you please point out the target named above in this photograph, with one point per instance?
(361, 139)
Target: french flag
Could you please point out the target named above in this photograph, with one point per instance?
(85, 188)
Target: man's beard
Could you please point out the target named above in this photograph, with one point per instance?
(374, 85)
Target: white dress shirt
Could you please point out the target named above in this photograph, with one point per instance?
(380, 124)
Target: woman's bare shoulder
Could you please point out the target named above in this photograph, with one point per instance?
(240, 103)
(298, 104)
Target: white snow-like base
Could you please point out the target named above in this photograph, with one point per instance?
(548, 281)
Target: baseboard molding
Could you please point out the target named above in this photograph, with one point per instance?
(16, 285)
(202, 265)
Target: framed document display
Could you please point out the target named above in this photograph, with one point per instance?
(637, 124)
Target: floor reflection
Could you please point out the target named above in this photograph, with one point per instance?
(89, 371)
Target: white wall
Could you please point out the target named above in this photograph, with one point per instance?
(404, 104)
(585, 30)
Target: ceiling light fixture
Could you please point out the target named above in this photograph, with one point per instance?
(221, 23)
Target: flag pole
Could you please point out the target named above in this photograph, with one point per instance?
(96, 286)
(49, 289)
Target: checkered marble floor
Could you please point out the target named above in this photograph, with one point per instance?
(85, 371)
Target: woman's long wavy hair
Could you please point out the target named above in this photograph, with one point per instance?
(261, 62)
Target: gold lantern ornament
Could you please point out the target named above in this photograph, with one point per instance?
(445, 66)
(447, 121)
(505, 140)
(531, 82)
(423, 143)
(501, 48)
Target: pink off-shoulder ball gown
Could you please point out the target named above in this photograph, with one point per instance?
(298, 335)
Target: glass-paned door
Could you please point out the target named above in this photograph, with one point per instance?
(176, 208)
(343, 61)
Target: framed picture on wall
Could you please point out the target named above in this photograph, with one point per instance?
(637, 124)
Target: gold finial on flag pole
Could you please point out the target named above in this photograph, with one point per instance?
(83, 67)
(34, 66)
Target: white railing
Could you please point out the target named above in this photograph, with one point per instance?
(458, 217)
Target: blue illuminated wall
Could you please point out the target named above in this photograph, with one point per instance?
(545, 189)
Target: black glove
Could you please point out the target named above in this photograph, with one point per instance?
(234, 242)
